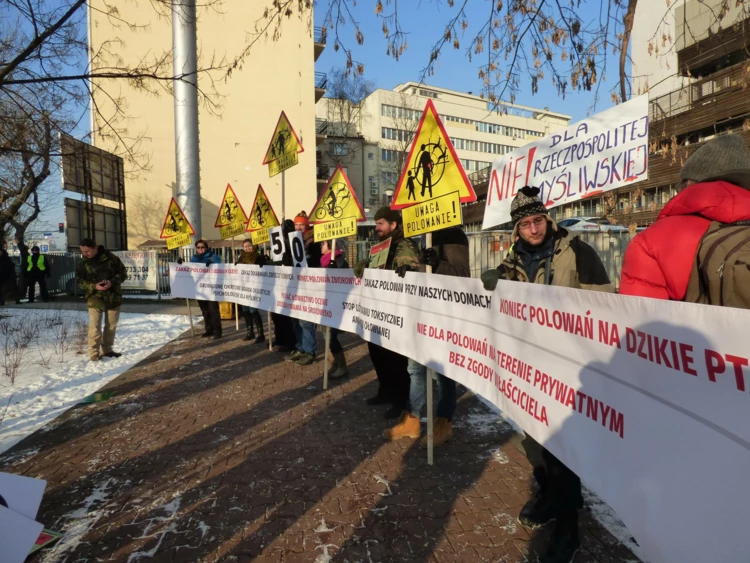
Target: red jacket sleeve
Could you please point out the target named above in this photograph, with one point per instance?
(641, 273)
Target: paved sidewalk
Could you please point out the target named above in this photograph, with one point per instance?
(223, 452)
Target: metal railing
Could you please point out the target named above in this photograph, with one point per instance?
(321, 80)
(321, 126)
(319, 35)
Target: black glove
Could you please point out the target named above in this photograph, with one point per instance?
(401, 270)
(490, 279)
(180, 260)
(430, 258)
(262, 259)
(332, 264)
(288, 226)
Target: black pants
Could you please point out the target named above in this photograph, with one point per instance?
(283, 331)
(556, 481)
(211, 316)
(335, 345)
(390, 368)
(31, 282)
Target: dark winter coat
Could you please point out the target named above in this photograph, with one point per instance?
(255, 258)
(452, 247)
(103, 266)
(8, 278)
(24, 251)
(572, 263)
(207, 258)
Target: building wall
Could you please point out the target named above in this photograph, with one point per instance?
(276, 76)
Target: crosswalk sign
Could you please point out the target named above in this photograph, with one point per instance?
(337, 201)
(262, 215)
(230, 210)
(432, 168)
(284, 147)
(175, 223)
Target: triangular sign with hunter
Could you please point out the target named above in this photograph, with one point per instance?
(175, 223)
(283, 142)
(262, 215)
(337, 200)
(432, 168)
(230, 210)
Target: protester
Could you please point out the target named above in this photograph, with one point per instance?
(100, 275)
(209, 309)
(448, 256)
(252, 255)
(37, 271)
(338, 368)
(283, 330)
(690, 253)
(8, 278)
(548, 254)
(304, 331)
(391, 367)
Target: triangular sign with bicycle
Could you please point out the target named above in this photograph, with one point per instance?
(432, 168)
(337, 201)
(230, 210)
(175, 223)
(262, 215)
(284, 147)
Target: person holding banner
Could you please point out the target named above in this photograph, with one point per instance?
(548, 254)
(283, 331)
(251, 255)
(304, 331)
(209, 309)
(390, 366)
(338, 368)
(448, 256)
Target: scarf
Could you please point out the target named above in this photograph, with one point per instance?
(325, 260)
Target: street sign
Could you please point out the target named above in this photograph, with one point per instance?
(176, 229)
(231, 218)
(337, 201)
(262, 215)
(432, 215)
(47, 234)
(284, 147)
(44, 248)
(340, 228)
(432, 168)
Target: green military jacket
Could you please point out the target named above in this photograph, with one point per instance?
(103, 266)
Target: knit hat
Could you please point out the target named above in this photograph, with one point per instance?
(525, 204)
(301, 219)
(725, 158)
(390, 215)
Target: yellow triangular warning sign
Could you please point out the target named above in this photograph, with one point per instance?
(284, 141)
(230, 210)
(262, 215)
(432, 169)
(175, 223)
(337, 201)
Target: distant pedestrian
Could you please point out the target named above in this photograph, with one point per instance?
(8, 278)
(100, 274)
(210, 309)
(252, 256)
(37, 272)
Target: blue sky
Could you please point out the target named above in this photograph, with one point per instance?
(426, 20)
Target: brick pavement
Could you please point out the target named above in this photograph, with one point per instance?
(223, 452)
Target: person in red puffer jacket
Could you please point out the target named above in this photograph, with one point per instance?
(658, 262)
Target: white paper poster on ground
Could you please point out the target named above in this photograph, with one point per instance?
(17, 535)
(141, 268)
(603, 152)
(21, 494)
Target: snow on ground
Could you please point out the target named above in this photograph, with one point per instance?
(46, 350)
(485, 422)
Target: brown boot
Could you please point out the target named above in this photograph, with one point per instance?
(341, 369)
(408, 427)
(333, 363)
(441, 433)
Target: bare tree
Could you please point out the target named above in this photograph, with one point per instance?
(405, 115)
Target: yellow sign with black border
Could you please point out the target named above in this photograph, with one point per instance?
(341, 228)
(178, 240)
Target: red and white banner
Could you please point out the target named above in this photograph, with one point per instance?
(603, 152)
(646, 400)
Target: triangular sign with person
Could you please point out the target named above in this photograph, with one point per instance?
(175, 223)
(230, 210)
(432, 168)
(283, 142)
(337, 201)
(262, 215)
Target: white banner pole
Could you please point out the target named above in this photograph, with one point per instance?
(326, 354)
(236, 305)
(270, 334)
(190, 317)
(430, 418)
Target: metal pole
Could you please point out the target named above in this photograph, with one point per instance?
(190, 316)
(327, 353)
(236, 306)
(283, 196)
(184, 60)
(270, 335)
(430, 417)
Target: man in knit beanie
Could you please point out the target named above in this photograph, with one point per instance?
(547, 254)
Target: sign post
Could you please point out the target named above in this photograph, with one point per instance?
(335, 215)
(432, 187)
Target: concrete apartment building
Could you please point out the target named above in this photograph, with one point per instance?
(697, 84)
(372, 147)
(277, 75)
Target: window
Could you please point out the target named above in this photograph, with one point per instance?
(399, 112)
(339, 149)
(429, 94)
(388, 155)
(396, 134)
(389, 177)
(370, 156)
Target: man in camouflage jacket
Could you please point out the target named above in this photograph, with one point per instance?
(390, 367)
(100, 274)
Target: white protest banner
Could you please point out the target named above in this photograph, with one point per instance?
(17, 535)
(603, 152)
(649, 412)
(141, 268)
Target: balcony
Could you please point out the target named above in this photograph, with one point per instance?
(319, 41)
(321, 84)
(321, 131)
